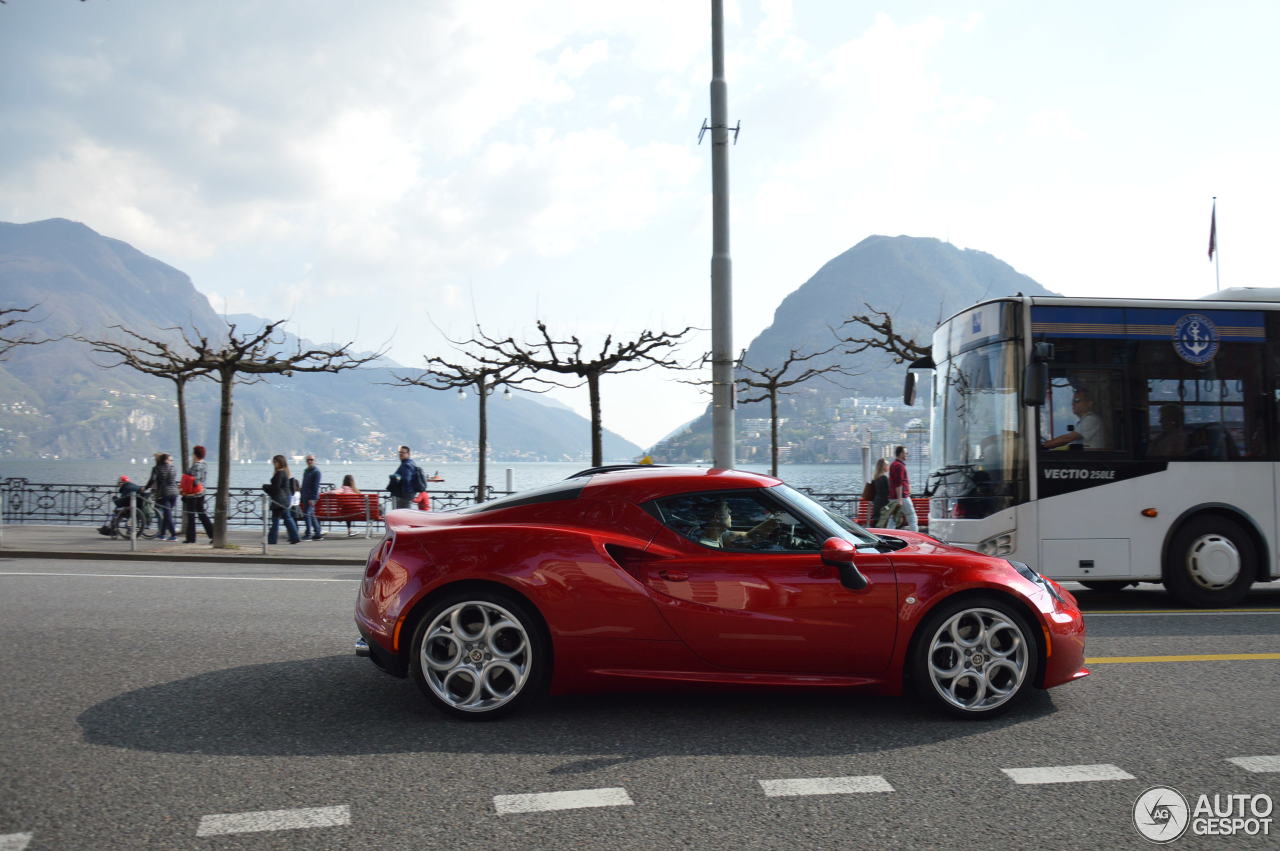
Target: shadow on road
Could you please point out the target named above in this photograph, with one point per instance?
(341, 705)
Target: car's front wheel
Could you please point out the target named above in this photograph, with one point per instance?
(480, 654)
(975, 658)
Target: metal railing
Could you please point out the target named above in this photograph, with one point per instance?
(47, 503)
(85, 505)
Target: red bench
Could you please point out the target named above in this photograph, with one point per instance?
(348, 506)
(921, 504)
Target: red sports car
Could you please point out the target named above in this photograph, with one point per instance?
(624, 577)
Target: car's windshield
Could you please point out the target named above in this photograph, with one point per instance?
(827, 520)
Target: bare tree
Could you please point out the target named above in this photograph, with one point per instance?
(441, 374)
(566, 358)
(8, 319)
(882, 336)
(772, 382)
(252, 356)
(160, 358)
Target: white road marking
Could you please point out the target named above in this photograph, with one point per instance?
(544, 801)
(14, 841)
(825, 786)
(1180, 613)
(217, 825)
(166, 576)
(1066, 774)
(1257, 764)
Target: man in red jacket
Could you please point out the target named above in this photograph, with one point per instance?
(900, 487)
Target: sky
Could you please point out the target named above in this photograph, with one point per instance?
(397, 173)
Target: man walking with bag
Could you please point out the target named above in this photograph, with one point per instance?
(900, 488)
(407, 481)
(310, 493)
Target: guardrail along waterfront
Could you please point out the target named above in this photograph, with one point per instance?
(92, 505)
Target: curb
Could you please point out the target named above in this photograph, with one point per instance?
(183, 557)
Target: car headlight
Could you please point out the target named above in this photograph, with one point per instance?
(1029, 573)
(998, 545)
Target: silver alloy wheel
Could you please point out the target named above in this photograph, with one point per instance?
(978, 659)
(1213, 561)
(476, 656)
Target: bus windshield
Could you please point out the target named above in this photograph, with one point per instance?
(978, 459)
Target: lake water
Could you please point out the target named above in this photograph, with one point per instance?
(822, 478)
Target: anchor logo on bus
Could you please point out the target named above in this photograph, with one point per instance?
(1195, 338)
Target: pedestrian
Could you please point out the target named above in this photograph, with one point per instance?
(879, 492)
(900, 488)
(310, 493)
(349, 486)
(279, 494)
(407, 481)
(164, 484)
(127, 501)
(193, 497)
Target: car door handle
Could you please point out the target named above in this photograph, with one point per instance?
(674, 575)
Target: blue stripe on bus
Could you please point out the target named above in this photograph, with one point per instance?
(1140, 323)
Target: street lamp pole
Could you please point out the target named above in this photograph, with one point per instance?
(722, 404)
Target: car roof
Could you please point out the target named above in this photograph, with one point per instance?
(642, 483)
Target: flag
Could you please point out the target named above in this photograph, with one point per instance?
(1213, 230)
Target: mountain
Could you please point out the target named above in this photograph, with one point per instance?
(918, 281)
(57, 399)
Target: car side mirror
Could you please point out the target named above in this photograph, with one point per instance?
(839, 553)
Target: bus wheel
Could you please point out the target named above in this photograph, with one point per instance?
(1211, 561)
(1106, 584)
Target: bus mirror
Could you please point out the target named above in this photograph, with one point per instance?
(909, 384)
(1034, 381)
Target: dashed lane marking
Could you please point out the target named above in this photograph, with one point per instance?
(1201, 657)
(14, 841)
(167, 576)
(1257, 764)
(1066, 774)
(825, 786)
(545, 801)
(255, 822)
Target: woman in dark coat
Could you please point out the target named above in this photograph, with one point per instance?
(880, 481)
(164, 484)
(280, 494)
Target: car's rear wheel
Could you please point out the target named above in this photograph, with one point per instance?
(976, 657)
(480, 654)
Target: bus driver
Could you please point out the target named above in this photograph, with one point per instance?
(1089, 429)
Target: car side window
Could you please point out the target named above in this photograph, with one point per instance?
(737, 522)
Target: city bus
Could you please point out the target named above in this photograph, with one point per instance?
(1112, 441)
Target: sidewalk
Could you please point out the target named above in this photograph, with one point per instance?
(84, 542)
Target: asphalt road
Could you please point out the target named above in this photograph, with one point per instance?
(151, 706)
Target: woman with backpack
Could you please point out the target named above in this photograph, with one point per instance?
(280, 494)
(193, 496)
(880, 495)
(164, 484)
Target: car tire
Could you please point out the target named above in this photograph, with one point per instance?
(480, 654)
(1211, 561)
(1106, 584)
(975, 657)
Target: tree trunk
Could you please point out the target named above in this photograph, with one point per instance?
(773, 431)
(483, 442)
(182, 424)
(597, 431)
(222, 499)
